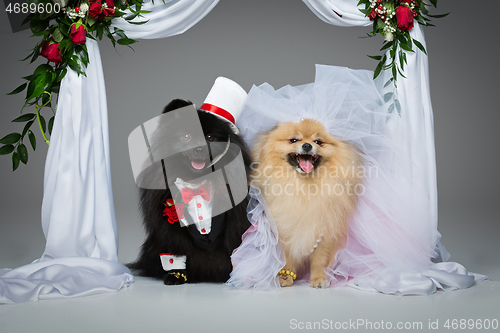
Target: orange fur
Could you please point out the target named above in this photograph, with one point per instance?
(310, 204)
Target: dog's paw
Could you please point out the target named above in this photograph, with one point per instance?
(320, 282)
(286, 280)
(175, 278)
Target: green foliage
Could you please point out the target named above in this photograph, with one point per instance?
(46, 79)
(397, 42)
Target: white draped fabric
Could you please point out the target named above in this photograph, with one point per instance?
(78, 216)
(413, 94)
(393, 244)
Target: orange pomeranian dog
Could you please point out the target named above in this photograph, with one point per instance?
(310, 182)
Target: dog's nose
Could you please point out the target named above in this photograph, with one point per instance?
(198, 151)
(307, 147)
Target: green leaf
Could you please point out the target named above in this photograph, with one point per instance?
(15, 161)
(406, 47)
(24, 117)
(434, 2)
(391, 108)
(10, 138)
(38, 25)
(421, 20)
(42, 122)
(29, 55)
(420, 46)
(36, 53)
(388, 96)
(7, 149)
(45, 99)
(375, 57)
(32, 138)
(43, 69)
(440, 15)
(22, 151)
(51, 124)
(57, 36)
(36, 87)
(100, 31)
(31, 77)
(18, 89)
(91, 21)
(393, 52)
(126, 41)
(61, 74)
(378, 70)
(83, 55)
(27, 127)
(139, 23)
(386, 46)
(130, 17)
(401, 59)
(398, 105)
(388, 83)
(40, 33)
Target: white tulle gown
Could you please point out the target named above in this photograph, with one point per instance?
(393, 244)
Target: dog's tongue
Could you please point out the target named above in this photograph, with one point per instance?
(305, 162)
(198, 165)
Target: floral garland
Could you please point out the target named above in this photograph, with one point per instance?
(64, 31)
(394, 19)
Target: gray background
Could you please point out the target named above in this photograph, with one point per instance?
(275, 41)
(279, 42)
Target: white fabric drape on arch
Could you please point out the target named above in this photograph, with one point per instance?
(413, 93)
(393, 244)
(78, 216)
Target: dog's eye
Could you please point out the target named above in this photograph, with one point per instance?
(210, 137)
(293, 140)
(318, 142)
(185, 138)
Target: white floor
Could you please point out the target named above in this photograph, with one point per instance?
(149, 306)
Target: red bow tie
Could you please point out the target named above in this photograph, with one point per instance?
(203, 191)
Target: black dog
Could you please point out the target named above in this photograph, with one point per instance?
(207, 256)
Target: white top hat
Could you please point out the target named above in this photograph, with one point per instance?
(225, 100)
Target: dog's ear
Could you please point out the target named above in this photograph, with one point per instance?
(176, 104)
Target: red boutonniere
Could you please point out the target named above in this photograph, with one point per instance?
(174, 211)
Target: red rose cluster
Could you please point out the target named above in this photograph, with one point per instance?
(173, 211)
(404, 14)
(97, 11)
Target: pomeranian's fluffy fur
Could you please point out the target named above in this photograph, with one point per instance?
(309, 180)
(203, 264)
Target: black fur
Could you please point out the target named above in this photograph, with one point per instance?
(163, 237)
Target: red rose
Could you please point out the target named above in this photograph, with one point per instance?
(95, 9)
(372, 15)
(108, 12)
(78, 35)
(404, 18)
(173, 211)
(51, 51)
